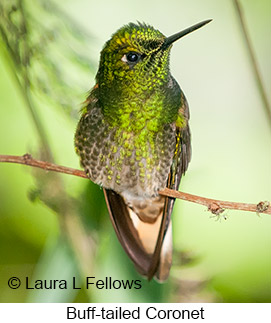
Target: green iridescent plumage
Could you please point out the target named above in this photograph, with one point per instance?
(133, 139)
(138, 104)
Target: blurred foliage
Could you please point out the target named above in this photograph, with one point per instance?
(49, 51)
(33, 50)
(47, 63)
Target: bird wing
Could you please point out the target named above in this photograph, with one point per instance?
(179, 166)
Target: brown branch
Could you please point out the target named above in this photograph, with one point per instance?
(215, 206)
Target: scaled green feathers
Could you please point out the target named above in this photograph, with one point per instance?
(128, 87)
(133, 139)
(138, 103)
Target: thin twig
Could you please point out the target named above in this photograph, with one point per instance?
(253, 60)
(215, 206)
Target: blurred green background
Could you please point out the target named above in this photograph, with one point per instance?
(57, 227)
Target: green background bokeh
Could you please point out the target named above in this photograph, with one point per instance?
(231, 160)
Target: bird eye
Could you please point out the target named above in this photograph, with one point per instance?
(131, 57)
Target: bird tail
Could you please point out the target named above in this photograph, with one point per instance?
(144, 231)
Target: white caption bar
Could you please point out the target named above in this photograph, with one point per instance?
(156, 312)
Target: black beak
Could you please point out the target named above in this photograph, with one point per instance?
(171, 39)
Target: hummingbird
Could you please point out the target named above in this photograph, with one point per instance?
(133, 139)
